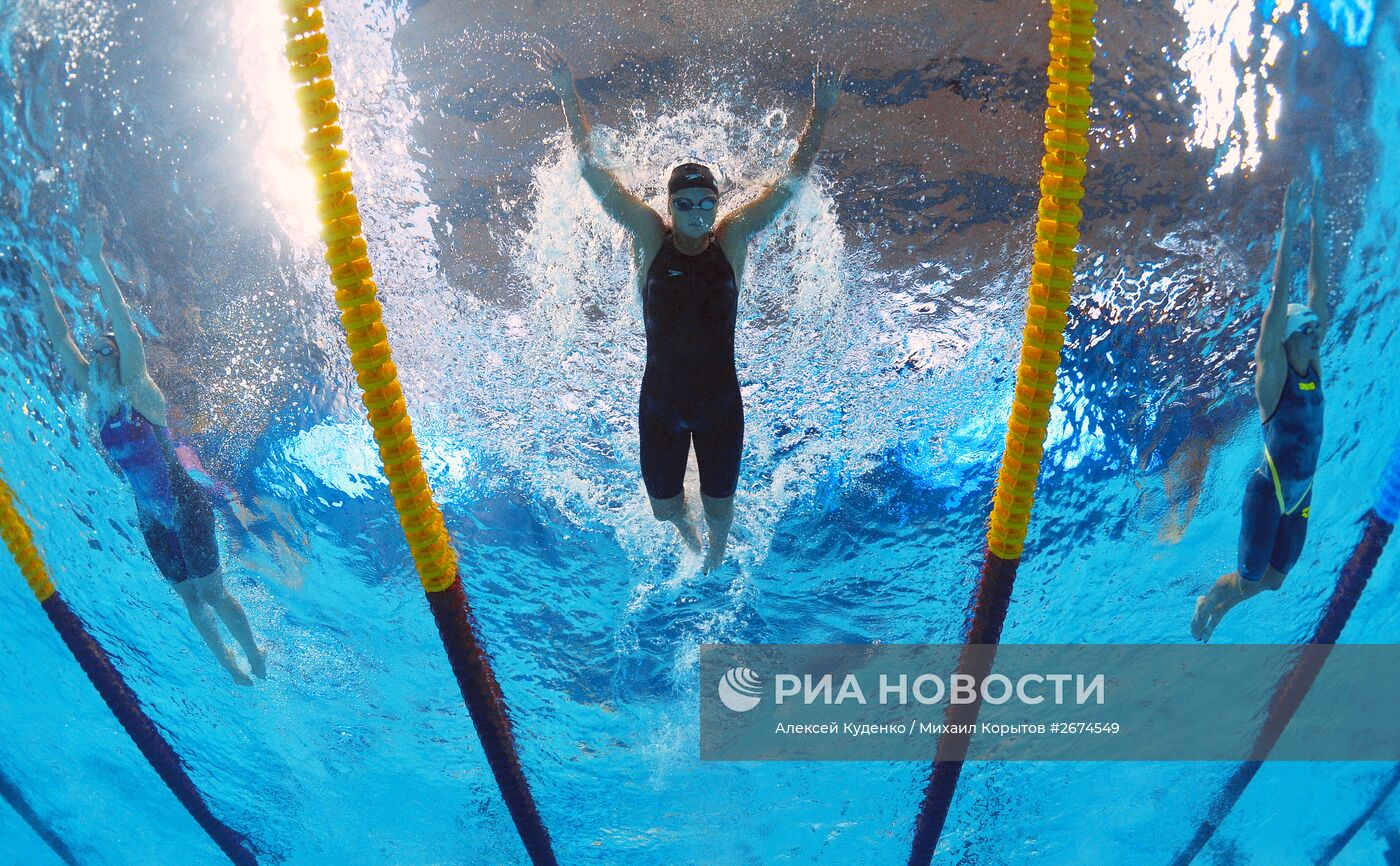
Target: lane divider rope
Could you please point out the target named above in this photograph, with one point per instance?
(110, 684)
(308, 54)
(1063, 169)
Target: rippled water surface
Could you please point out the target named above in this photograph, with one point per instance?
(878, 326)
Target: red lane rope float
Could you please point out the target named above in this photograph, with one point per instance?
(1052, 276)
(1377, 525)
(108, 681)
(308, 54)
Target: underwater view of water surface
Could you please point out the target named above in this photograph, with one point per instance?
(878, 325)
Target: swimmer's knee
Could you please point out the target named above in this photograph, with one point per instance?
(667, 509)
(1247, 584)
(188, 591)
(210, 587)
(718, 508)
(1273, 579)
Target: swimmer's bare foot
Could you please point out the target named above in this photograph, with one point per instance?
(1201, 626)
(714, 557)
(1171, 531)
(719, 516)
(231, 665)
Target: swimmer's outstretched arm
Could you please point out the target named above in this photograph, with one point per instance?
(55, 324)
(1270, 360)
(132, 352)
(629, 210)
(1319, 259)
(741, 225)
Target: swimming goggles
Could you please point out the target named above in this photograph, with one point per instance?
(685, 204)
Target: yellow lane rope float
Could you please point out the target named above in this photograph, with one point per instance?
(356, 296)
(1052, 275)
(20, 542)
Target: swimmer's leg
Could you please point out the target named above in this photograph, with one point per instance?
(665, 448)
(194, 525)
(1182, 482)
(213, 592)
(719, 516)
(203, 618)
(719, 449)
(672, 511)
(1259, 530)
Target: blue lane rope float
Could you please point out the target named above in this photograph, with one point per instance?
(1070, 73)
(11, 794)
(1377, 524)
(108, 681)
(356, 295)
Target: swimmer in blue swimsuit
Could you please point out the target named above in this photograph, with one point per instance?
(689, 272)
(1288, 385)
(174, 511)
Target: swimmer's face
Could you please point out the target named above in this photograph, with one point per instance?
(693, 211)
(106, 361)
(1303, 343)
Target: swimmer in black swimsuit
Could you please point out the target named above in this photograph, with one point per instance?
(1288, 385)
(174, 511)
(689, 273)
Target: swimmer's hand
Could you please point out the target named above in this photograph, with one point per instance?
(1294, 200)
(551, 62)
(91, 239)
(826, 86)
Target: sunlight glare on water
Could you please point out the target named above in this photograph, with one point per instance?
(1231, 76)
(286, 184)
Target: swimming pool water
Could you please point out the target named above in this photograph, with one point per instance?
(878, 331)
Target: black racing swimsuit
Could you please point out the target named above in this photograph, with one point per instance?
(690, 389)
(1278, 497)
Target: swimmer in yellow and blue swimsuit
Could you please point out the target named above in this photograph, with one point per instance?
(1288, 385)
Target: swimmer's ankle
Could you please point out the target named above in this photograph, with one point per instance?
(258, 663)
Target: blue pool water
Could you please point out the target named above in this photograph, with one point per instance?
(878, 331)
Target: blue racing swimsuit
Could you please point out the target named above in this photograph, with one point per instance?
(690, 388)
(176, 516)
(1279, 493)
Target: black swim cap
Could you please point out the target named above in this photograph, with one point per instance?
(689, 175)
